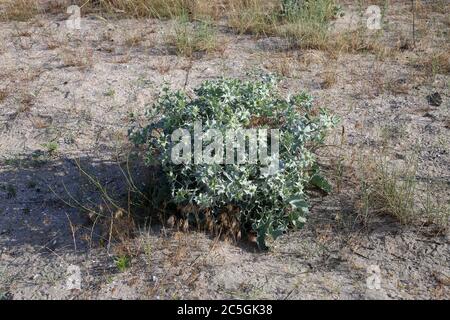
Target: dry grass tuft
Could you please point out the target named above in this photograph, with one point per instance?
(307, 26)
(393, 191)
(432, 63)
(163, 66)
(52, 44)
(143, 8)
(304, 25)
(396, 191)
(134, 39)
(81, 58)
(252, 16)
(3, 95)
(23, 10)
(440, 6)
(329, 77)
(20, 10)
(161, 9)
(26, 102)
(357, 41)
(283, 65)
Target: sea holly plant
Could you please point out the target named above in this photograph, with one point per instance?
(265, 202)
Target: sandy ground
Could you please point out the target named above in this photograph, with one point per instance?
(78, 90)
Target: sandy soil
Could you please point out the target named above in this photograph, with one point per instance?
(78, 90)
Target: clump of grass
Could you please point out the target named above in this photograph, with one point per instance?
(81, 58)
(137, 9)
(435, 62)
(189, 39)
(306, 24)
(110, 92)
(161, 9)
(26, 101)
(435, 210)
(31, 184)
(51, 147)
(24, 10)
(20, 10)
(284, 65)
(393, 191)
(3, 95)
(134, 39)
(206, 9)
(329, 77)
(357, 41)
(398, 192)
(440, 6)
(122, 263)
(252, 16)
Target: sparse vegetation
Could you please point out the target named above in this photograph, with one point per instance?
(21, 10)
(306, 24)
(147, 8)
(73, 184)
(393, 191)
(81, 58)
(134, 39)
(191, 39)
(432, 63)
(253, 16)
(396, 191)
(3, 95)
(329, 77)
(122, 263)
(51, 147)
